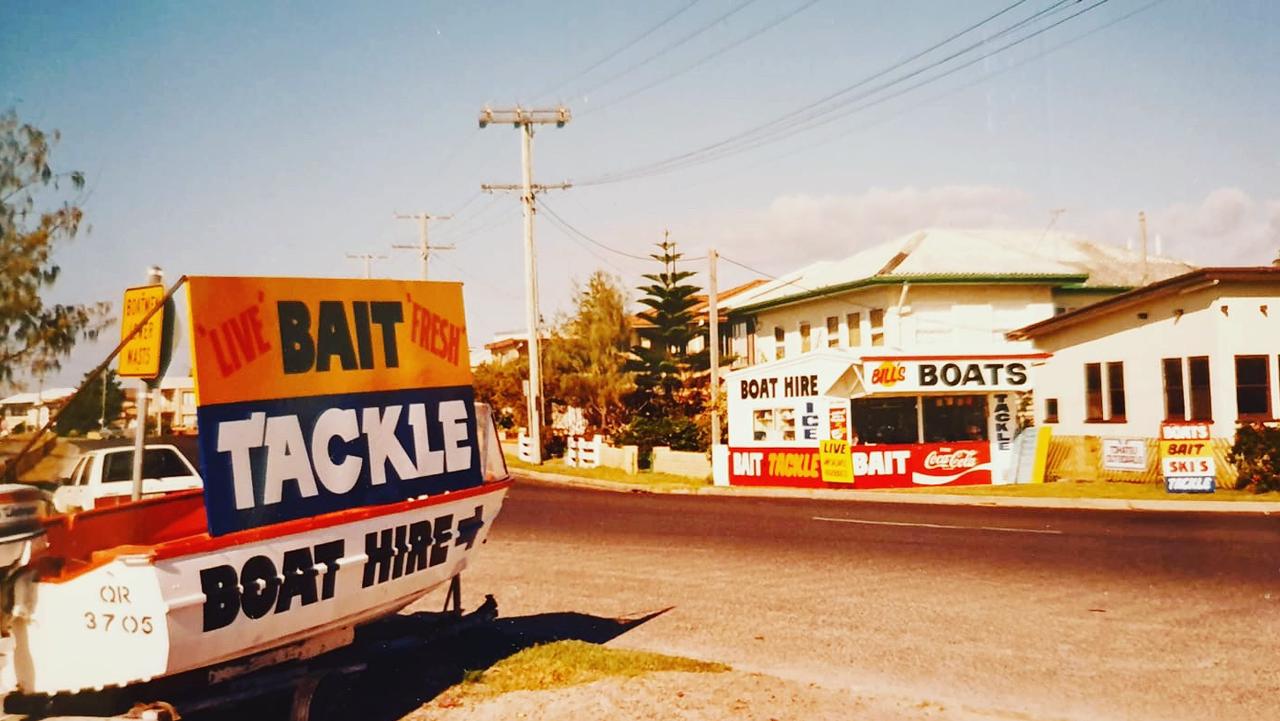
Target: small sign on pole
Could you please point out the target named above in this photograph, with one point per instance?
(140, 357)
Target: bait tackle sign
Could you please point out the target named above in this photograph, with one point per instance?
(318, 395)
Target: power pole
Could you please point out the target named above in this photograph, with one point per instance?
(1142, 227)
(422, 245)
(525, 119)
(713, 320)
(368, 259)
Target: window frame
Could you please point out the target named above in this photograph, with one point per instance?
(1094, 397)
(1192, 388)
(1050, 410)
(806, 336)
(1266, 415)
(1111, 391)
(853, 329)
(1180, 396)
(779, 342)
(833, 333)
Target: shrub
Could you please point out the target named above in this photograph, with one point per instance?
(679, 432)
(1256, 455)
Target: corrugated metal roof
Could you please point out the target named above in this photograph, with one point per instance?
(950, 255)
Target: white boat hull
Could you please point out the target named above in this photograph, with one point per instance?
(201, 601)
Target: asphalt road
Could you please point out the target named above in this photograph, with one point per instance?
(990, 613)
(1039, 614)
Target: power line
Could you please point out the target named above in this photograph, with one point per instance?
(668, 48)
(759, 134)
(619, 51)
(965, 86)
(569, 227)
(704, 59)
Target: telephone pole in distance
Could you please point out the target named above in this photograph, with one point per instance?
(368, 259)
(524, 119)
(422, 245)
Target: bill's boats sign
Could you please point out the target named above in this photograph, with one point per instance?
(935, 375)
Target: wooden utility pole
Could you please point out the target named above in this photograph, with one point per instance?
(368, 259)
(422, 246)
(713, 322)
(525, 119)
(1142, 227)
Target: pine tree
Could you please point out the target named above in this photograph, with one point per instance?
(665, 370)
(89, 410)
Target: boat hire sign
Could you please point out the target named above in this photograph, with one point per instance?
(318, 395)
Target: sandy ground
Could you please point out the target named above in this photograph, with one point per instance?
(689, 696)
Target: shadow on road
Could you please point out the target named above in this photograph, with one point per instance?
(395, 685)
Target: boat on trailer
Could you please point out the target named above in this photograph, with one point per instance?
(329, 502)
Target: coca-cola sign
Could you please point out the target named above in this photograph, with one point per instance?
(947, 459)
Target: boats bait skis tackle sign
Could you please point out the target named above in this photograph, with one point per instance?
(920, 376)
(1186, 458)
(317, 395)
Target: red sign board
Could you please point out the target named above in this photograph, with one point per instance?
(963, 463)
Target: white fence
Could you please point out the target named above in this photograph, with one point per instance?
(582, 453)
(525, 451)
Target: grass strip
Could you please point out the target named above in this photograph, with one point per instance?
(1093, 489)
(570, 663)
(606, 473)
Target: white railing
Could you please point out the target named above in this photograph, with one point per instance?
(582, 453)
(525, 450)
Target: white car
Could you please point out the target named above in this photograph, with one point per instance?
(105, 477)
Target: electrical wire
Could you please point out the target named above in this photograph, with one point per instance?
(820, 112)
(668, 48)
(570, 228)
(703, 60)
(617, 52)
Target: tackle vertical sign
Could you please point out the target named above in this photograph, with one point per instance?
(319, 395)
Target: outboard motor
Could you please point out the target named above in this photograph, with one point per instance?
(21, 529)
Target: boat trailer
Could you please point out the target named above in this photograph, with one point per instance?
(299, 668)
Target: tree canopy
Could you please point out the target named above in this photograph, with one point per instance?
(90, 409)
(587, 355)
(35, 335)
(663, 364)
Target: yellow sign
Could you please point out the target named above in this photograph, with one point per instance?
(140, 357)
(256, 339)
(836, 461)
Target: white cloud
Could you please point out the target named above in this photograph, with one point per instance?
(1226, 227)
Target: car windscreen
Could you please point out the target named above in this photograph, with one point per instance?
(156, 463)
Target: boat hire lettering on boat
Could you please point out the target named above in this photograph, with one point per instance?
(316, 396)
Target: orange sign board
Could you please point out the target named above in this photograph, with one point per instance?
(140, 357)
(257, 339)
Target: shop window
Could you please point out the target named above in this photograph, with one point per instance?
(1115, 391)
(806, 342)
(886, 420)
(763, 424)
(751, 342)
(1253, 387)
(787, 423)
(955, 418)
(1175, 405)
(1050, 410)
(854, 321)
(1201, 395)
(833, 331)
(779, 343)
(1093, 392)
(877, 327)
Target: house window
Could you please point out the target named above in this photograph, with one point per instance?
(1093, 392)
(806, 343)
(1253, 387)
(1050, 410)
(877, 326)
(1115, 391)
(1201, 396)
(833, 331)
(854, 321)
(1175, 404)
(779, 343)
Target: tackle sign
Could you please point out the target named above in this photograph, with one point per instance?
(321, 395)
(1186, 458)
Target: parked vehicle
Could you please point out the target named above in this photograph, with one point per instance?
(105, 477)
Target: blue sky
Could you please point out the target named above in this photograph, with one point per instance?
(273, 138)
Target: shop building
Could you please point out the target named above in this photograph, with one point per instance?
(901, 350)
(1200, 347)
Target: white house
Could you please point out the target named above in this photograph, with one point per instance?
(1201, 346)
